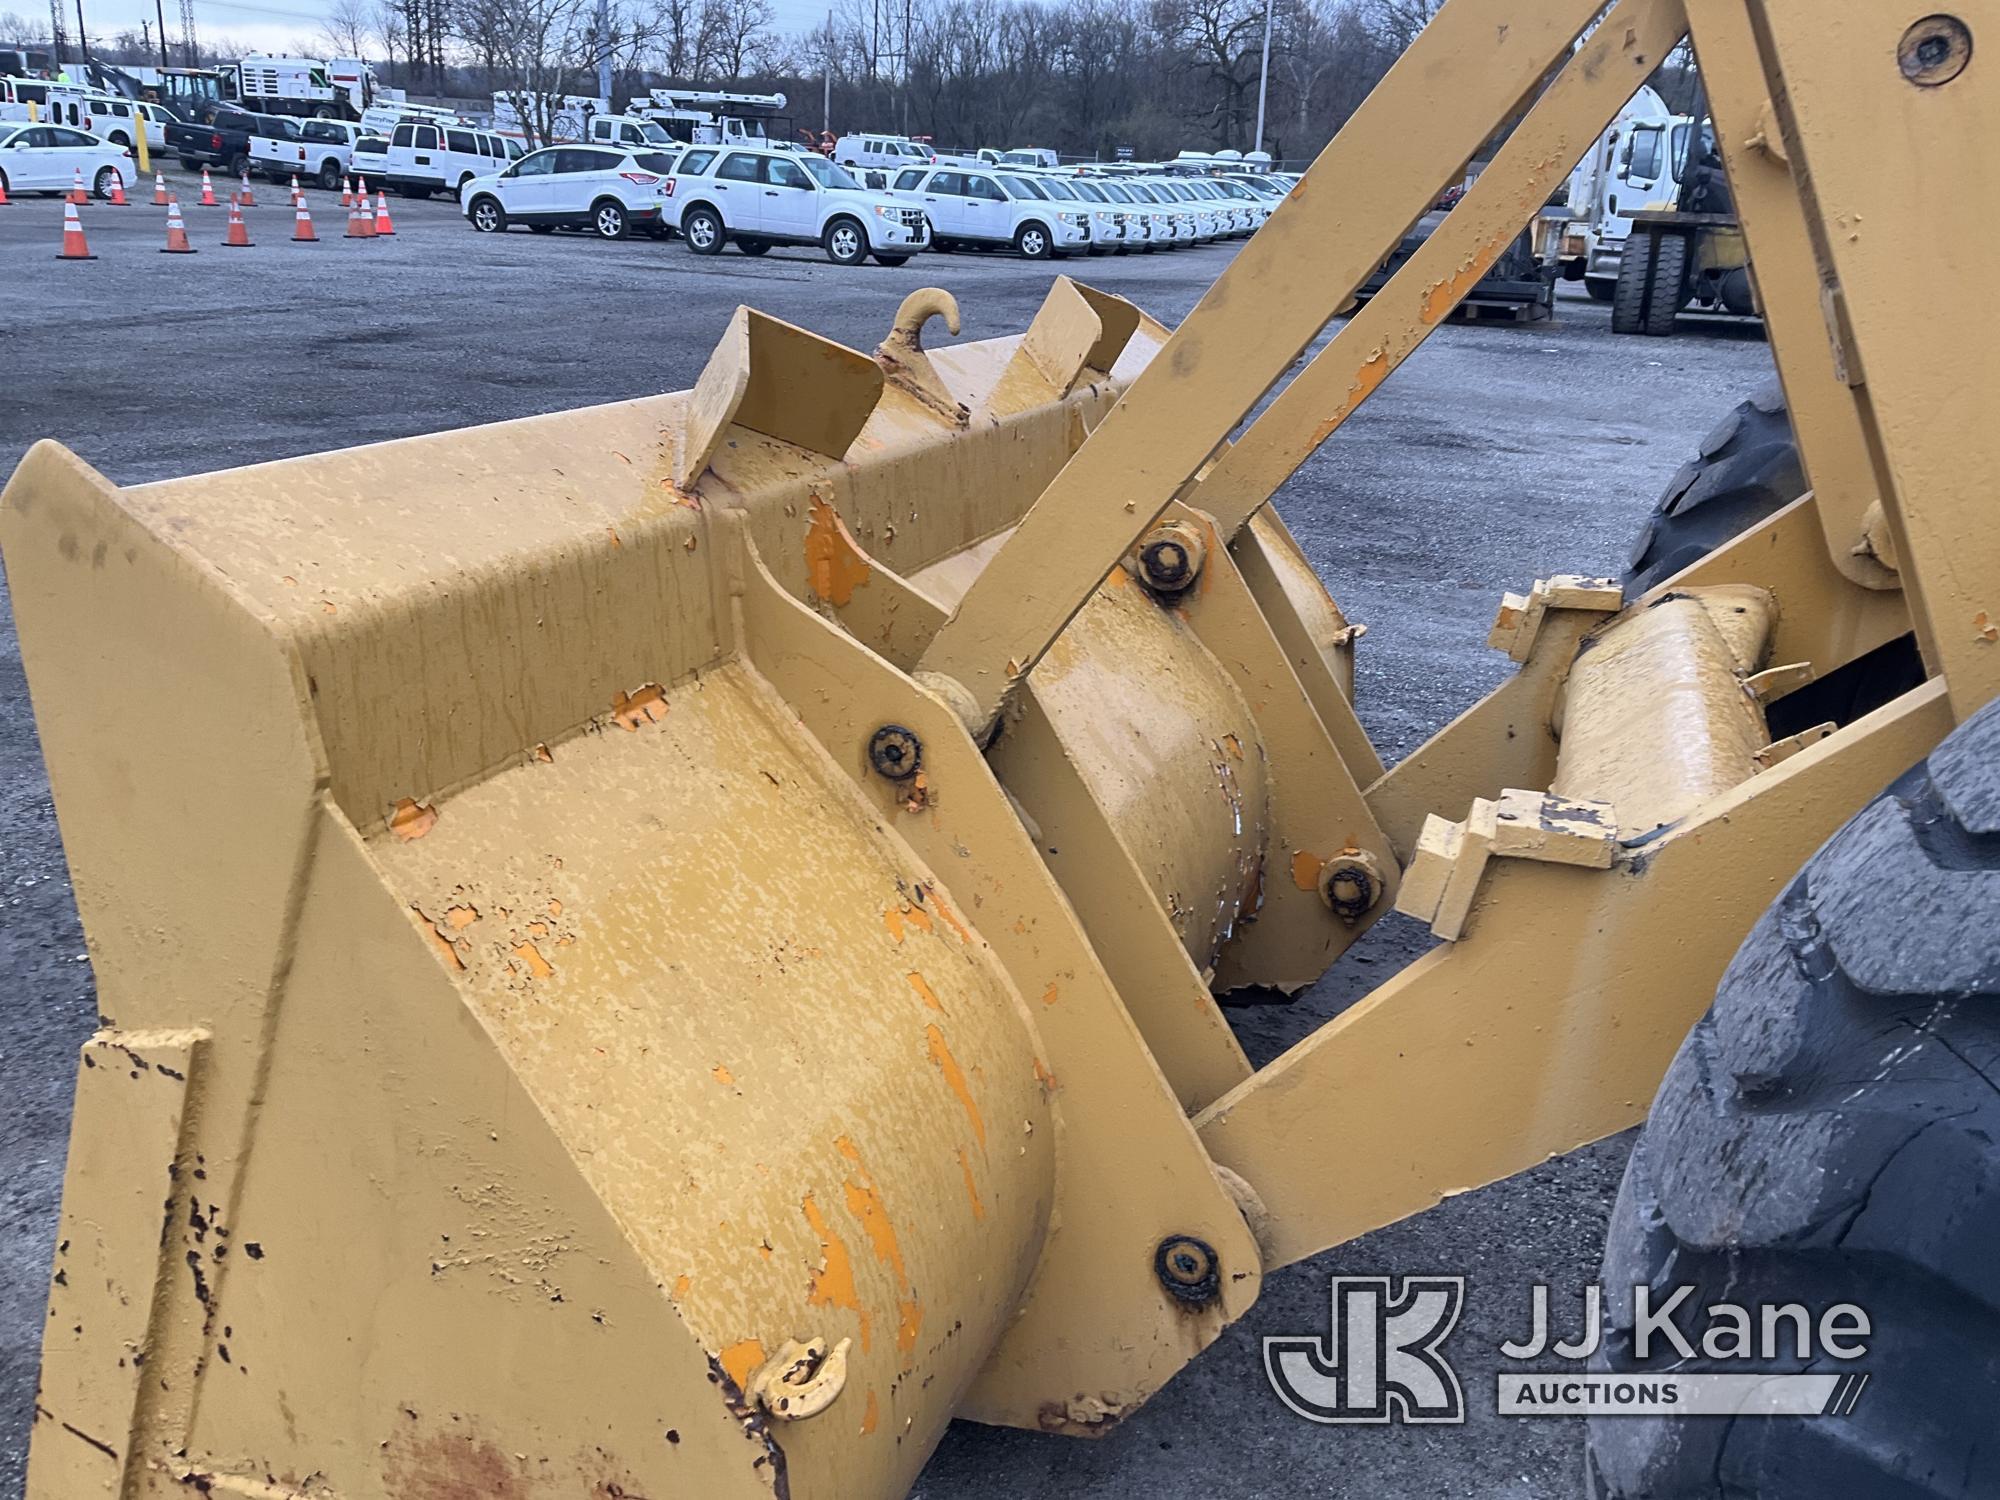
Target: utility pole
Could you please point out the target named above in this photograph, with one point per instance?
(1264, 76)
(82, 38)
(826, 108)
(160, 14)
(604, 51)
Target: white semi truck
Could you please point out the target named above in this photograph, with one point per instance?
(1634, 164)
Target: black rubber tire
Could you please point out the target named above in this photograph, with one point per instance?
(329, 176)
(891, 260)
(1034, 241)
(609, 220)
(703, 231)
(1635, 283)
(1668, 294)
(239, 165)
(189, 164)
(541, 229)
(845, 241)
(1747, 468)
(102, 183)
(1600, 288)
(486, 215)
(753, 247)
(1828, 1134)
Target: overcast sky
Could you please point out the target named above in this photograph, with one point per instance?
(275, 25)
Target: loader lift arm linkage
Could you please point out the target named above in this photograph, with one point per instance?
(673, 947)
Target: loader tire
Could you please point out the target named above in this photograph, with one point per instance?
(1828, 1133)
(1746, 470)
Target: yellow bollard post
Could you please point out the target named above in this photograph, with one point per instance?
(139, 143)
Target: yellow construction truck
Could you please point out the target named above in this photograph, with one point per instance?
(672, 949)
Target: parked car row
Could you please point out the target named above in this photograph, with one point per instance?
(755, 197)
(48, 159)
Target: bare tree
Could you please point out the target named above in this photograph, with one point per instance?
(347, 26)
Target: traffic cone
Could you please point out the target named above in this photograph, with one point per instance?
(3, 196)
(359, 225)
(177, 235)
(296, 195)
(76, 193)
(236, 237)
(74, 246)
(207, 192)
(159, 190)
(347, 192)
(243, 194)
(302, 226)
(383, 224)
(118, 199)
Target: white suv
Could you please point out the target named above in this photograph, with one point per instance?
(610, 189)
(997, 208)
(760, 197)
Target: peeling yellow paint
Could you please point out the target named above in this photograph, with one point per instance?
(1305, 870)
(870, 1414)
(864, 1201)
(741, 1359)
(936, 896)
(971, 1187)
(832, 1285)
(645, 704)
(458, 918)
(834, 562)
(412, 820)
(1051, 994)
(924, 991)
(955, 1077)
(681, 1284)
(529, 954)
(439, 941)
(723, 1076)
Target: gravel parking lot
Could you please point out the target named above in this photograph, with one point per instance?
(1497, 454)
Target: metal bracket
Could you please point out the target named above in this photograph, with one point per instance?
(1443, 877)
(1519, 620)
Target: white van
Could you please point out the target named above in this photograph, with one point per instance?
(630, 131)
(424, 158)
(883, 153)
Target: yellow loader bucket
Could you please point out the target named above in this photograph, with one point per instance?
(573, 1012)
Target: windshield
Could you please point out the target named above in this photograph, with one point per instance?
(1021, 187)
(1090, 192)
(1055, 187)
(1230, 189)
(1115, 192)
(1140, 192)
(826, 174)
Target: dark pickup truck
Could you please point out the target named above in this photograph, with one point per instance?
(238, 142)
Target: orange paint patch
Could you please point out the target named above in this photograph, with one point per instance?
(954, 1076)
(1044, 1077)
(864, 1201)
(870, 1414)
(439, 941)
(835, 562)
(1984, 628)
(832, 1285)
(544, 754)
(681, 1284)
(458, 918)
(971, 1187)
(1305, 870)
(723, 1076)
(1441, 298)
(741, 1359)
(555, 907)
(924, 991)
(899, 918)
(412, 821)
(945, 911)
(538, 929)
(538, 967)
(1050, 995)
(646, 704)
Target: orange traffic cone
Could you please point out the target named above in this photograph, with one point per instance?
(361, 189)
(177, 235)
(243, 194)
(3, 195)
(76, 192)
(207, 192)
(359, 225)
(74, 246)
(295, 189)
(237, 237)
(118, 199)
(159, 190)
(347, 192)
(302, 226)
(383, 224)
